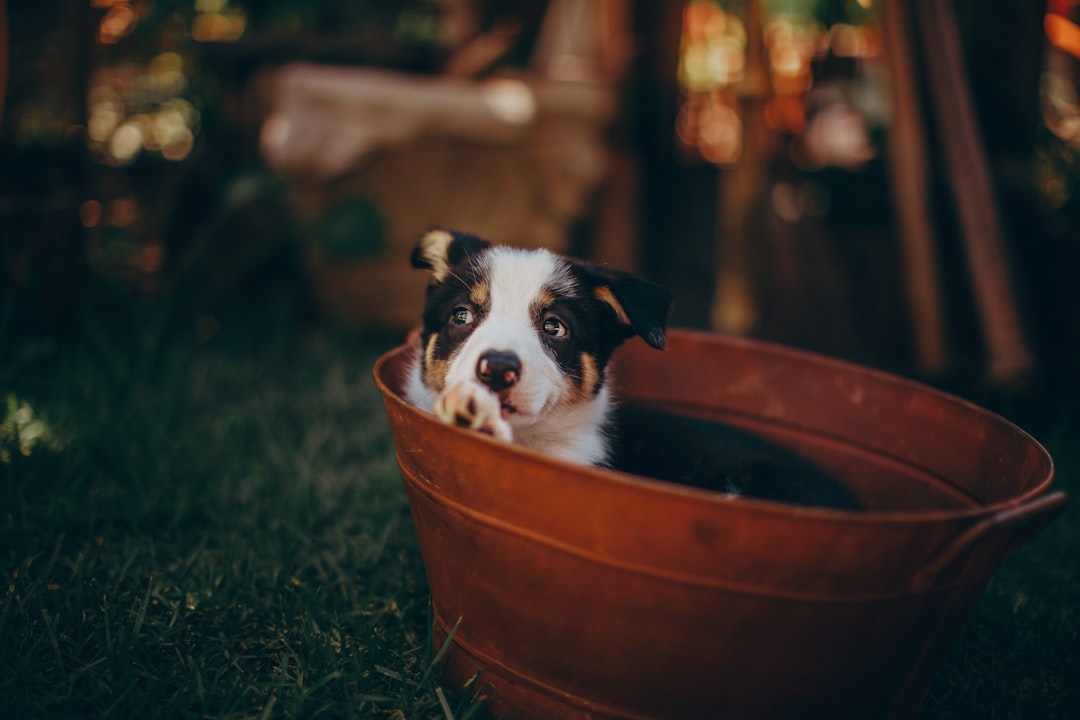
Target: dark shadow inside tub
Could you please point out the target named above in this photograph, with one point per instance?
(663, 445)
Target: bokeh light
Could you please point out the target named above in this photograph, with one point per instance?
(712, 74)
(140, 109)
(119, 22)
(713, 48)
(90, 213)
(216, 22)
(126, 143)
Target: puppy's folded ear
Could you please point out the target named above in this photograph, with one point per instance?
(641, 306)
(440, 249)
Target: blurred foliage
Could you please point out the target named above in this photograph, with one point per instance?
(22, 431)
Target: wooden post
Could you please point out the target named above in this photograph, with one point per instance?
(907, 167)
(1009, 360)
(741, 191)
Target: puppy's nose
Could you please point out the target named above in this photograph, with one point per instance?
(498, 369)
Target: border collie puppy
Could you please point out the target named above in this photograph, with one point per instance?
(515, 343)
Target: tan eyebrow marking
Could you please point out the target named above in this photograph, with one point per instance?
(543, 300)
(479, 294)
(435, 249)
(604, 295)
(590, 376)
(435, 370)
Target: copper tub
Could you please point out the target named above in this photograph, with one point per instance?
(579, 592)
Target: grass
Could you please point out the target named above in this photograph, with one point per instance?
(207, 528)
(205, 519)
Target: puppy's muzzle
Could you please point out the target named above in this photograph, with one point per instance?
(498, 369)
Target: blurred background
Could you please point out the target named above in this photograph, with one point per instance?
(206, 212)
(894, 183)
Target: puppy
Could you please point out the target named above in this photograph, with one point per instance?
(515, 343)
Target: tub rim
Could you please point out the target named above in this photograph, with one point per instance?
(655, 487)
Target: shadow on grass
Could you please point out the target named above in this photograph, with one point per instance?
(202, 517)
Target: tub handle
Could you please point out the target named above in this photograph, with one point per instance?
(1034, 515)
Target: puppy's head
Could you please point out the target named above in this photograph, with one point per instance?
(536, 328)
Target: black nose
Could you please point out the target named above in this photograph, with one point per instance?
(498, 369)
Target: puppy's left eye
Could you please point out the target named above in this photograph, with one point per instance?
(461, 316)
(555, 327)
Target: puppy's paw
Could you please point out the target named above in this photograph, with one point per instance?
(473, 406)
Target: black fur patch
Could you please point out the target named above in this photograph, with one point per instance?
(593, 331)
(596, 328)
(441, 302)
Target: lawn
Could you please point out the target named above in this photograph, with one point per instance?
(201, 516)
(207, 526)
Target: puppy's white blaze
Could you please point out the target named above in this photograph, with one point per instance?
(517, 277)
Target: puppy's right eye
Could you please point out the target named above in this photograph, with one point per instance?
(461, 316)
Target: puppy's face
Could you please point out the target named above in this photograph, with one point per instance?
(534, 328)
